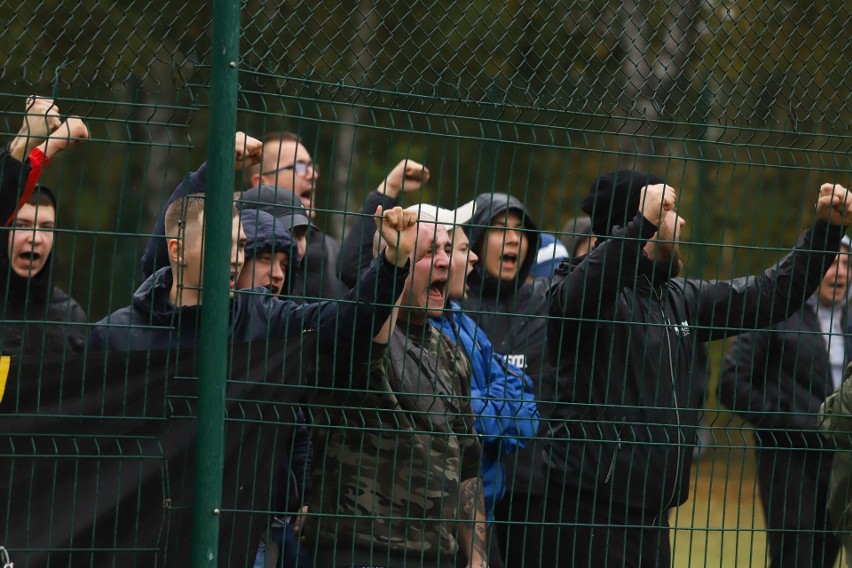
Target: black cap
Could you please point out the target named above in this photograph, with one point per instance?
(614, 199)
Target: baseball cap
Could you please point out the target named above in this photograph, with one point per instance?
(450, 217)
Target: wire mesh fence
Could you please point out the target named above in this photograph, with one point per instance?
(636, 404)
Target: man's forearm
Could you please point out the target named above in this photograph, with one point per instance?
(356, 250)
(473, 531)
(595, 283)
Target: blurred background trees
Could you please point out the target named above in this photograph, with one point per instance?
(743, 106)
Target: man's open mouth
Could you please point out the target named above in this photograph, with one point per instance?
(437, 291)
(30, 257)
(509, 258)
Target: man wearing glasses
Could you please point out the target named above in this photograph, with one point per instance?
(287, 164)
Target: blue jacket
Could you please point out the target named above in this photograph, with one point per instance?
(501, 396)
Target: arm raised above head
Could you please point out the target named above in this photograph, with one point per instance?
(591, 288)
(729, 307)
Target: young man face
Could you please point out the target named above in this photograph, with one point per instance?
(31, 240)
(288, 165)
(265, 269)
(505, 246)
(188, 256)
(425, 289)
(462, 264)
(835, 283)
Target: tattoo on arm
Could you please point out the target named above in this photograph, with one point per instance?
(474, 527)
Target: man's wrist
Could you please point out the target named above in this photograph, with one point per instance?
(388, 190)
(393, 256)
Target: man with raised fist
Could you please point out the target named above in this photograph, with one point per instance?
(626, 335)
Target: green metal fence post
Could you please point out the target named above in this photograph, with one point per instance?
(214, 310)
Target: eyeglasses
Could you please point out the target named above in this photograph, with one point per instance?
(301, 168)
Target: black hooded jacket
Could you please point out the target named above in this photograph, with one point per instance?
(512, 315)
(629, 349)
(33, 313)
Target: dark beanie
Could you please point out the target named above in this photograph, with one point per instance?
(614, 199)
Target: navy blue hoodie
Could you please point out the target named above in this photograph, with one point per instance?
(152, 322)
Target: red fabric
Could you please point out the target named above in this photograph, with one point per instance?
(38, 160)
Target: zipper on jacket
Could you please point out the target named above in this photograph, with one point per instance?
(674, 397)
(615, 452)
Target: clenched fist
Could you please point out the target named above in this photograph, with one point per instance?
(398, 228)
(247, 151)
(41, 120)
(834, 204)
(406, 176)
(656, 200)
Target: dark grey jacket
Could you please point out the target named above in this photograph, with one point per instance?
(777, 379)
(626, 349)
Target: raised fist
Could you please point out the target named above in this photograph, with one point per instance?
(834, 204)
(398, 228)
(247, 151)
(41, 119)
(656, 200)
(406, 176)
(71, 132)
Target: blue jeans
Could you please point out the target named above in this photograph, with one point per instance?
(284, 549)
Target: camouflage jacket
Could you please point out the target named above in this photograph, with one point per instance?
(389, 461)
(836, 424)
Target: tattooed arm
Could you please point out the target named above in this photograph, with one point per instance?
(473, 536)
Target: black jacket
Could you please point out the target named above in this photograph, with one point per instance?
(36, 317)
(626, 347)
(777, 379)
(356, 252)
(13, 175)
(512, 313)
(42, 328)
(151, 322)
(315, 277)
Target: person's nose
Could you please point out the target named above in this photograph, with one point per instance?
(442, 259)
(237, 257)
(472, 258)
(277, 275)
(513, 237)
(33, 237)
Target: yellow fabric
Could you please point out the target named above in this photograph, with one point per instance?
(5, 361)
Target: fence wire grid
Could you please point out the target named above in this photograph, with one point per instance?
(563, 374)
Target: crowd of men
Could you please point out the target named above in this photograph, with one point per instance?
(528, 401)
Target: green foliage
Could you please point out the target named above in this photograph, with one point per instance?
(527, 98)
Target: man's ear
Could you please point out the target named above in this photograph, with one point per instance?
(175, 251)
(255, 180)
